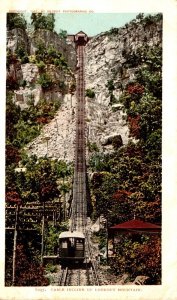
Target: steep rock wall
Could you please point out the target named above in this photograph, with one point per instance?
(107, 57)
(26, 75)
(51, 38)
(57, 138)
(111, 56)
(17, 38)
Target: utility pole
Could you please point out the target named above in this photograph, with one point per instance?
(42, 233)
(46, 139)
(15, 245)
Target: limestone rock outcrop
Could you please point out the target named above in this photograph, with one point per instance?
(109, 58)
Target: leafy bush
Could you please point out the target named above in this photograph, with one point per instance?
(25, 59)
(50, 56)
(113, 99)
(24, 125)
(45, 81)
(11, 58)
(22, 54)
(113, 31)
(41, 66)
(92, 147)
(138, 254)
(12, 83)
(63, 34)
(28, 272)
(51, 240)
(110, 85)
(32, 59)
(16, 20)
(51, 268)
(90, 93)
(41, 21)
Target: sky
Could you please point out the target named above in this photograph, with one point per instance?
(91, 23)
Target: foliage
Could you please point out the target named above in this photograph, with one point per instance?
(134, 126)
(13, 197)
(140, 16)
(24, 125)
(49, 56)
(45, 81)
(16, 20)
(110, 85)
(99, 162)
(28, 273)
(11, 58)
(41, 65)
(92, 147)
(63, 34)
(39, 181)
(22, 55)
(51, 238)
(127, 182)
(12, 117)
(12, 154)
(100, 237)
(113, 31)
(42, 21)
(90, 93)
(138, 254)
(51, 268)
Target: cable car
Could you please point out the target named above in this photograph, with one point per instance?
(71, 247)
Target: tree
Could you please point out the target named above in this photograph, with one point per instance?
(12, 155)
(63, 34)
(139, 254)
(41, 21)
(28, 273)
(140, 16)
(16, 20)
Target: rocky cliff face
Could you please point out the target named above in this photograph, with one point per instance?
(109, 57)
(112, 57)
(26, 75)
(57, 138)
(19, 38)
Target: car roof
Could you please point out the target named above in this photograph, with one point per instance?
(67, 234)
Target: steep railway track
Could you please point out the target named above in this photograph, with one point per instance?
(79, 206)
(87, 273)
(77, 276)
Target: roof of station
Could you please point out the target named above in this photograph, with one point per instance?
(81, 32)
(135, 224)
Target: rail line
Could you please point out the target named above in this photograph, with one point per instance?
(79, 205)
(77, 276)
(87, 273)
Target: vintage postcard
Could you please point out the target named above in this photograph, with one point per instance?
(88, 154)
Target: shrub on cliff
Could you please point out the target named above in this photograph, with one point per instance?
(16, 20)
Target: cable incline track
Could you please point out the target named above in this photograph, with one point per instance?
(87, 273)
(79, 205)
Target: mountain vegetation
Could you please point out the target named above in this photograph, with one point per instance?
(31, 180)
(125, 182)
